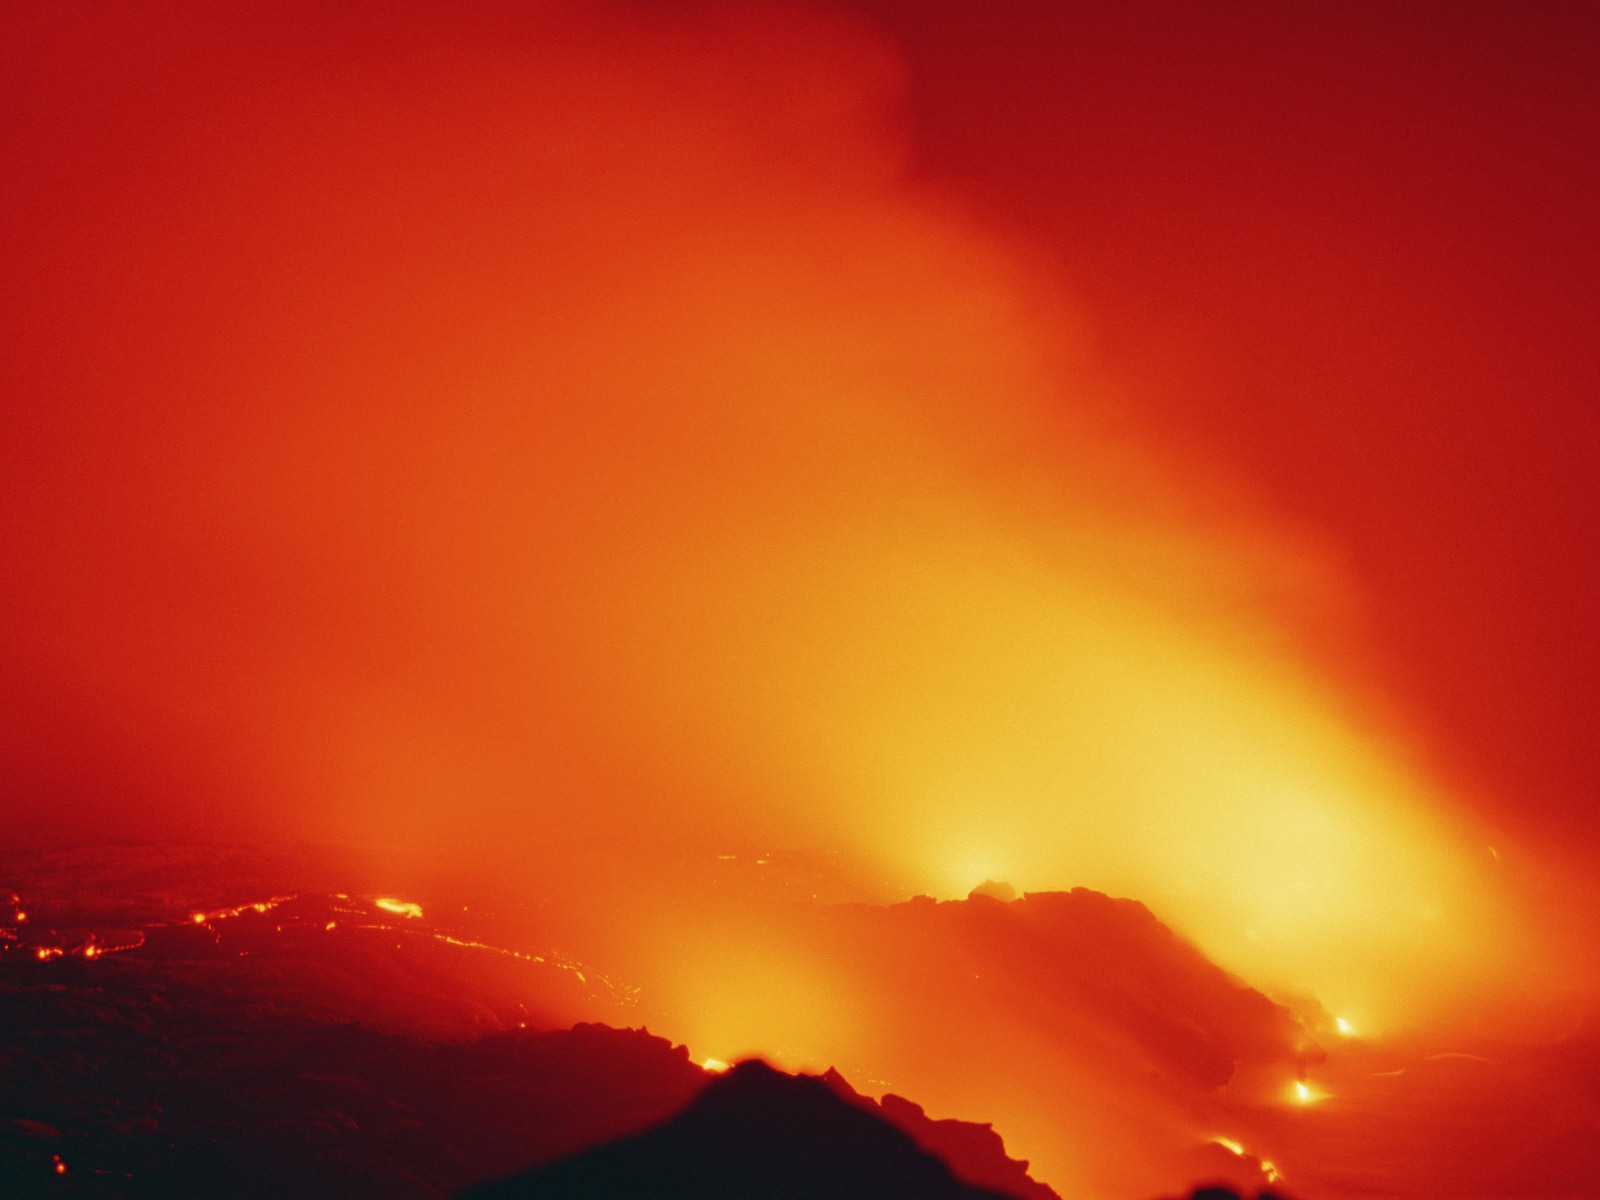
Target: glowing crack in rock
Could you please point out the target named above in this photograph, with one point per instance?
(206, 917)
(1267, 1167)
(308, 912)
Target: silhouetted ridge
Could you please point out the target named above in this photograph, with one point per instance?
(974, 1152)
(1099, 962)
(753, 1133)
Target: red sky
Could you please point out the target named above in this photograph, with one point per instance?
(1351, 250)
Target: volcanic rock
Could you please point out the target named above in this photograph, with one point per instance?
(755, 1132)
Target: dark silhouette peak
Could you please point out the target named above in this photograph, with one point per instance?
(974, 1152)
(754, 1094)
(754, 1076)
(753, 1132)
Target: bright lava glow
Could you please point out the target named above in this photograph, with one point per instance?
(1344, 1027)
(403, 907)
(715, 1065)
(1305, 1094)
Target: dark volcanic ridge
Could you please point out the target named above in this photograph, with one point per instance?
(1091, 967)
(753, 1132)
(760, 1134)
(145, 1089)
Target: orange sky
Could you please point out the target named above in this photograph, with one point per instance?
(1350, 251)
(1100, 448)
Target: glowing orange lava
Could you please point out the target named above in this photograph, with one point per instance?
(402, 908)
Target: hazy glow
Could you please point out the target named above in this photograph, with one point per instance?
(774, 1003)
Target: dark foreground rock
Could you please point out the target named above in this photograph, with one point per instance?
(134, 1079)
(120, 1097)
(754, 1133)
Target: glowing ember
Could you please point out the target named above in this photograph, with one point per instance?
(715, 1065)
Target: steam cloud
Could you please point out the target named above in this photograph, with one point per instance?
(490, 435)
